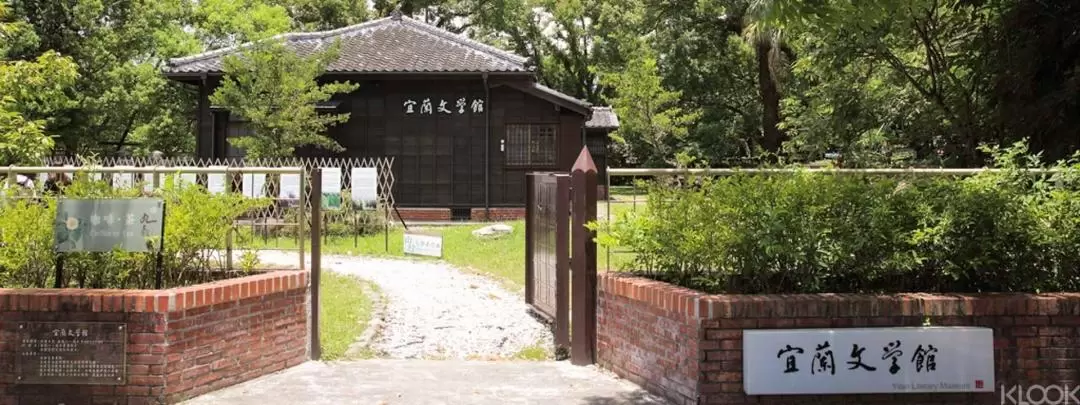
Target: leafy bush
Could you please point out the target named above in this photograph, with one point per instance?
(196, 227)
(803, 232)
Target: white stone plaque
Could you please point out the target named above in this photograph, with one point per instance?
(868, 360)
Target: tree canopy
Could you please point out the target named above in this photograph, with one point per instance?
(276, 92)
(735, 82)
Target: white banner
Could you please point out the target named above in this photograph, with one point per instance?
(868, 360)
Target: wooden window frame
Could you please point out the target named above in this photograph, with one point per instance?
(509, 138)
(236, 122)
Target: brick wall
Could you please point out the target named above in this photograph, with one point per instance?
(687, 346)
(181, 342)
(424, 214)
(498, 214)
(475, 214)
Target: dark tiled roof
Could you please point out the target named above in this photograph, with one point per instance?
(542, 89)
(603, 118)
(392, 44)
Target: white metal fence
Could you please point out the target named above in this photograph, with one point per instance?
(357, 193)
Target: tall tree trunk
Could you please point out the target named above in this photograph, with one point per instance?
(770, 100)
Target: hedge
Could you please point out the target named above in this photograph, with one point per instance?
(196, 227)
(1012, 230)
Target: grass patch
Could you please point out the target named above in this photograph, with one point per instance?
(345, 313)
(533, 353)
(621, 191)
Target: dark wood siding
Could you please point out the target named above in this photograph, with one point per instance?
(439, 158)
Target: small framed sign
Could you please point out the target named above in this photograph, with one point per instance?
(423, 244)
(868, 360)
(104, 225)
(101, 225)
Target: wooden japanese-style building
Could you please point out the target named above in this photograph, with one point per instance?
(464, 121)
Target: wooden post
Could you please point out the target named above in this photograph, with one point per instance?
(530, 213)
(583, 261)
(159, 261)
(316, 258)
(562, 267)
(204, 140)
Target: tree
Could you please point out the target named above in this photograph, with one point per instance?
(653, 125)
(38, 86)
(276, 91)
(767, 40)
(117, 47)
(316, 15)
(222, 23)
(28, 87)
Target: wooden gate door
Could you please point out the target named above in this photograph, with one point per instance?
(547, 251)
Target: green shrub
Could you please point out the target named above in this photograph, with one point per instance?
(806, 232)
(196, 226)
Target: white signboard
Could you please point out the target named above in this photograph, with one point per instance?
(253, 184)
(331, 187)
(331, 179)
(215, 182)
(186, 179)
(423, 245)
(290, 186)
(124, 179)
(868, 360)
(365, 186)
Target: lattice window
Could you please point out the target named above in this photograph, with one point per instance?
(530, 145)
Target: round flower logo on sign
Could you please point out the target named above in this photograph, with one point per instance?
(68, 230)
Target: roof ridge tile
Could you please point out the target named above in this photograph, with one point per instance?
(488, 50)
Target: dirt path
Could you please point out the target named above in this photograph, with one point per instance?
(434, 311)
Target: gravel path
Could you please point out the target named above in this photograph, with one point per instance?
(435, 311)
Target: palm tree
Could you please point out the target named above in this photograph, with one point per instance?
(761, 32)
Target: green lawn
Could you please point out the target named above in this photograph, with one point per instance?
(345, 313)
(501, 258)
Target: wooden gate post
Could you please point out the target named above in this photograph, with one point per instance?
(583, 261)
(531, 205)
(316, 257)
